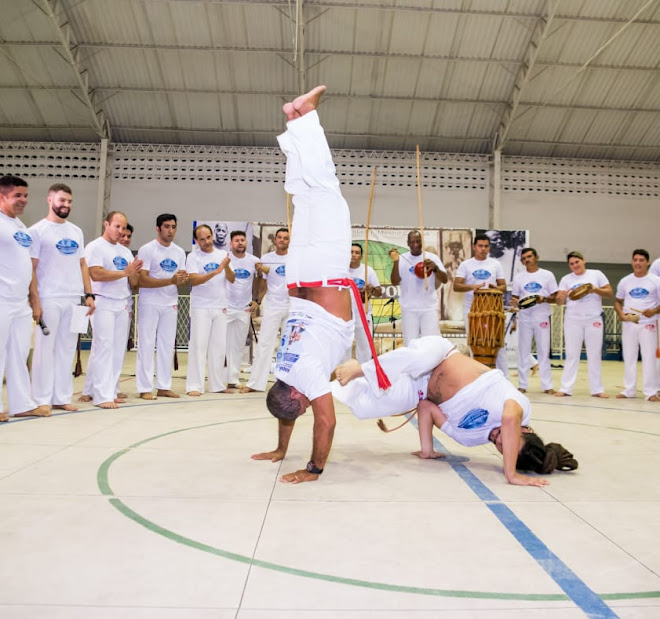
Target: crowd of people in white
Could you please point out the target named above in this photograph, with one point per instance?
(47, 270)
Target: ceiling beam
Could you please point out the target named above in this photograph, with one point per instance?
(363, 6)
(71, 53)
(334, 95)
(324, 53)
(649, 147)
(539, 35)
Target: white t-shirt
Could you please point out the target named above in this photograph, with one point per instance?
(591, 305)
(112, 257)
(476, 409)
(15, 264)
(162, 263)
(475, 271)
(211, 293)
(357, 275)
(277, 294)
(313, 344)
(239, 294)
(414, 297)
(655, 268)
(642, 293)
(59, 247)
(541, 282)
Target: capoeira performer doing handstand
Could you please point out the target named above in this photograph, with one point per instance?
(320, 327)
(469, 402)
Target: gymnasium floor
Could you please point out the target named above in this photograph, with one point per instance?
(156, 510)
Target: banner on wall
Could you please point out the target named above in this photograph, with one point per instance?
(452, 245)
(222, 233)
(387, 310)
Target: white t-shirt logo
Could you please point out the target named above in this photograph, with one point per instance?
(67, 246)
(23, 239)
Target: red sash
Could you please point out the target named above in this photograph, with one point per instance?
(347, 282)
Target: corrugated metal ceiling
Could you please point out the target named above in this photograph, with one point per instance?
(444, 74)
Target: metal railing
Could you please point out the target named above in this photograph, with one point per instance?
(611, 339)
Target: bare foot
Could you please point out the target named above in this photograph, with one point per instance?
(122, 395)
(247, 389)
(40, 411)
(522, 390)
(65, 407)
(600, 395)
(85, 398)
(107, 405)
(194, 394)
(303, 104)
(620, 396)
(535, 369)
(550, 391)
(167, 393)
(431, 456)
(119, 400)
(4, 417)
(147, 395)
(561, 394)
(347, 371)
(228, 390)
(653, 398)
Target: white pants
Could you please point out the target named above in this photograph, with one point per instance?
(15, 332)
(238, 325)
(409, 369)
(589, 331)
(156, 327)
(539, 330)
(501, 362)
(207, 346)
(320, 246)
(88, 388)
(415, 324)
(272, 321)
(52, 359)
(636, 337)
(110, 322)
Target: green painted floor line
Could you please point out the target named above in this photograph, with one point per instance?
(105, 488)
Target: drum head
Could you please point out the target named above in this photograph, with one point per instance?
(580, 291)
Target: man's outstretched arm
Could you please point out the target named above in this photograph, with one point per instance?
(323, 408)
(285, 429)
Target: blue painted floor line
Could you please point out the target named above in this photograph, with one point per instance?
(586, 599)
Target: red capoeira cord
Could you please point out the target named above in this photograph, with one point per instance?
(347, 282)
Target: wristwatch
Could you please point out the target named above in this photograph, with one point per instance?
(313, 469)
(90, 295)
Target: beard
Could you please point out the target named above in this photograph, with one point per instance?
(61, 211)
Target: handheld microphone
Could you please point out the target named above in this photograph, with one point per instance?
(42, 325)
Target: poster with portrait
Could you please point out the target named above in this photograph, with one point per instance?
(222, 233)
(456, 247)
(267, 237)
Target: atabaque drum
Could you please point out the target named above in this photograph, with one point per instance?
(486, 325)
